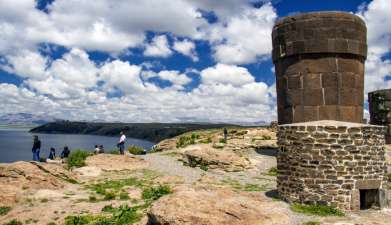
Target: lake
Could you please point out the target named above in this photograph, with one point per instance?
(16, 143)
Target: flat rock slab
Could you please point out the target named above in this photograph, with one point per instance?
(191, 206)
(110, 162)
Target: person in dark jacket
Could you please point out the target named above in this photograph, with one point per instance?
(225, 134)
(36, 148)
(65, 153)
(52, 153)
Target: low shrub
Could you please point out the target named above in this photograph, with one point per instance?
(223, 141)
(77, 158)
(109, 195)
(121, 215)
(51, 223)
(136, 150)
(123, 195)
(4, 210)
(319, 210)
(154, 193)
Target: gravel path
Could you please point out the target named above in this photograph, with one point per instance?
(169, 165)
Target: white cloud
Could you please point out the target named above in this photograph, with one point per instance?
(75, 87)
(186, 48)
(27, 64)
(226, 74)
(377, 68)
(244, 38)
(159, 47)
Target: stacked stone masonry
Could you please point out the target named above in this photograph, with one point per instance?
(319, 65)
(330, 162)
(380, 110)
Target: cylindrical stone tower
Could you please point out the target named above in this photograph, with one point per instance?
(380, 110)
(319, 64)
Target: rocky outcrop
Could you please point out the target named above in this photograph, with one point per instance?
(216, 207)
(19, 176)
(110, 162)
(205, 156)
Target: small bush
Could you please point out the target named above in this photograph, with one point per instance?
(51, 223)
(136, 150)
(265, 137)
(13, 222)
(311, 223)
(92, 198)
(319, 210)
(204, 167)
(4, 210)
(154, 193)
(108, 208)
(223, 141)
(77, 158)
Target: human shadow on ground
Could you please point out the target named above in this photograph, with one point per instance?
(272, 194)
(267, 151)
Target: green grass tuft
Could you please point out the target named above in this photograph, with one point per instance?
(13, 222)
(272, 172)
(4, 210)
(77, 158)
(311, 223)
(136, 150)
(319, 210)
(154, 193)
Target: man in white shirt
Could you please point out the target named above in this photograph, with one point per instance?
(121, 143)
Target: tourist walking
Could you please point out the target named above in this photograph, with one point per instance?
(65, 153)
(225, 134)
(121, 143)
(36, 148)
(52, 153)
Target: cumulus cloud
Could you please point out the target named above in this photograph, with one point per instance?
(74, 86)
(159, 47)
(186, 48)
(244, 38)
(378, 68)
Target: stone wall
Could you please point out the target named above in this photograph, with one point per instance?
(329, 162)
(380, 110)
(319, 63)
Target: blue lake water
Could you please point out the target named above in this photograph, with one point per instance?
(16, 144)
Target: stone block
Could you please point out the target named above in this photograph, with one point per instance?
(313, 97)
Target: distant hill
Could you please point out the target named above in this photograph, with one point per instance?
(154, 132)
(25, 119)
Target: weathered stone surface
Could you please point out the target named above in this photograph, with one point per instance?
(15, 177)
(328, 162)
(380, 108)
(215, 207)
(215, 159)
(311, 72)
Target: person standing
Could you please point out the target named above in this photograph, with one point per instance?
(121, 143)
(225, 134)
(36, 148)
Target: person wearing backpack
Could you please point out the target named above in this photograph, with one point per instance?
(36, 148)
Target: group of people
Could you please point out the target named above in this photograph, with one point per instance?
(65, 152)
(52, 153)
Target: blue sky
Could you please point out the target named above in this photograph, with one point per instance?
(158, 60)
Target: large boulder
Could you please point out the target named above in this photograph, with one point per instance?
(204, 155)
(215, 207)
(19, 176)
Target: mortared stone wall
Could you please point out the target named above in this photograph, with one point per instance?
(332, 163)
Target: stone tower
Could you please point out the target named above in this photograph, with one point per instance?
(319, 62)
(380, 110)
